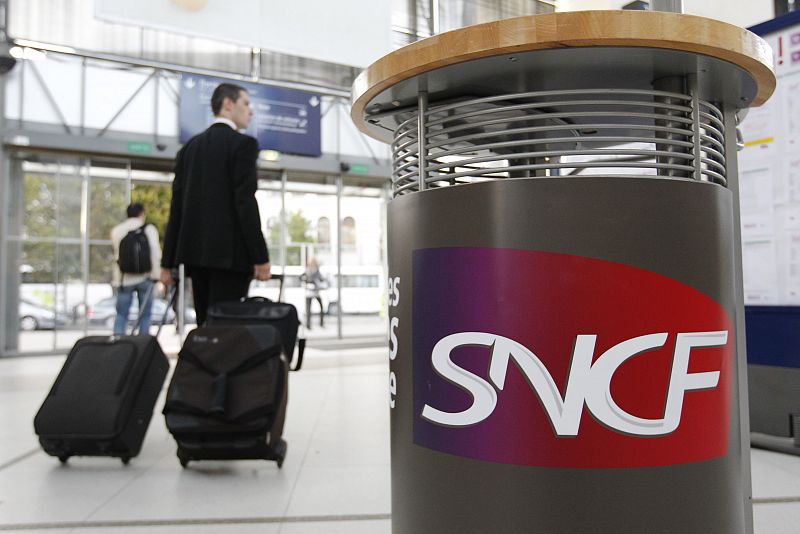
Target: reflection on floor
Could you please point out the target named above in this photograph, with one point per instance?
(335, 479)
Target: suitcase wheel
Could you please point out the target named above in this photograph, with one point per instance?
(125, 460)
(63, 459)
(184, 460)
(280, 452)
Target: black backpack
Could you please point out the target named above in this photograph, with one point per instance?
(134, 252)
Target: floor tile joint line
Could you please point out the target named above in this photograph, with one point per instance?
(198, 522)
(776, 500)
(19, 458)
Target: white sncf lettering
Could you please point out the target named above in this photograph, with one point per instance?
(588, 383)
(393, 324)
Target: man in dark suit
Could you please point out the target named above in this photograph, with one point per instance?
(214, 227)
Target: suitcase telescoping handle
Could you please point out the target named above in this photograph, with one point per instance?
(170, 303)
(301, 348)
(137, 328)
(278, 277)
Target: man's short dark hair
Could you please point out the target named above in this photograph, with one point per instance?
(223, 91)
(135, 209)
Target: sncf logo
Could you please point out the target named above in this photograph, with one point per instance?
(588, 382)
(542, 359)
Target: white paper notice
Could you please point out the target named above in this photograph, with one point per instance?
(769, 178)
(758, 261)
(791, 246)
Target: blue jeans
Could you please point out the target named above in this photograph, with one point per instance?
(124, 300)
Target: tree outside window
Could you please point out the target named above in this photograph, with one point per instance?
(299, 232)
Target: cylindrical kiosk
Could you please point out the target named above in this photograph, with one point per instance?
(565, 293)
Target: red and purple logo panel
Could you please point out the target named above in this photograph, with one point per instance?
(543, 359)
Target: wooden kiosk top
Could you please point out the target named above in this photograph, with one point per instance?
(733, 48)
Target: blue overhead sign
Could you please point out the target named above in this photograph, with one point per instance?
(286, 120)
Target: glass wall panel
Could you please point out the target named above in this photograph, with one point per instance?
(37, 296)
(99, 311)
(108, 199)
(109, 196)
(269, 206)
(59, 257)
(69, 272)
(70, 199)
(68, 298)
(36, 263)
(39, 198)
(363, 261)
(155, 196)
(306, 204)
(154, 191)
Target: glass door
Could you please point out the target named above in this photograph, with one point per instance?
(363, 253)
(32, 256)
(44, 265)
(310, 242)
(108, 199)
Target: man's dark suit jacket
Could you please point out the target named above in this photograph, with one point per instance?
(213, 218)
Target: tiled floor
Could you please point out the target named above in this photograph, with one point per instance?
(328, 484)
(335, 479)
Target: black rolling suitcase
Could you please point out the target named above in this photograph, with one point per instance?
(260, 310)
(102, 400)
(227, 397)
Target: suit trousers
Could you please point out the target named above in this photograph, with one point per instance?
(216, 285)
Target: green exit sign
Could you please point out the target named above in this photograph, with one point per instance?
(359, 168)
(139, 147)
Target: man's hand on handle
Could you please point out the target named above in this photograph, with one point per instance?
(166, 277)
(262, 271)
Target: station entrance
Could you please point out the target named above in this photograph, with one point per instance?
(58, 258)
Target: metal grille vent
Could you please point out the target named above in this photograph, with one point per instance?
(602, 132)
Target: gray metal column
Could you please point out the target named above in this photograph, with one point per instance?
(5, 325)
(674, 6)
(731, 150)
(498, 287)
(9, 281)
(459, 275)
(11, 221)
(284, 230)
(9, 255)
(85, 166)
(340, 280)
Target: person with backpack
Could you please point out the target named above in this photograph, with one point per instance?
(138, 265)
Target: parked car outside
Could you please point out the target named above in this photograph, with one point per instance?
(104, 312)
(32, 316)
